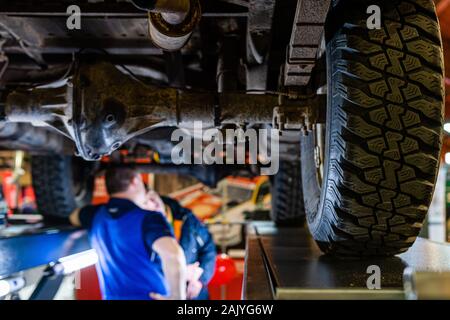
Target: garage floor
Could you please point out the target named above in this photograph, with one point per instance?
(287, 264)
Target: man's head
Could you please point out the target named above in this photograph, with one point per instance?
(125, 183)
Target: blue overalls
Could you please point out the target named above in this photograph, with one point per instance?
(123, 234)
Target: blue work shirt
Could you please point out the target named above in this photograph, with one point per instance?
(123, 235)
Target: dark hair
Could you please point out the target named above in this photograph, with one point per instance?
(119, 179)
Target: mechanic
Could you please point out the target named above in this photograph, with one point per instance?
(198, 246)
(139, 257)
(196, 241)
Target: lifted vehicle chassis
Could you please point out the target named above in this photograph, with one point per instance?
(100, 108)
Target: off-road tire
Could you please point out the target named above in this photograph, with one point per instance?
(61, 184)
(287, 196)
(383, 132)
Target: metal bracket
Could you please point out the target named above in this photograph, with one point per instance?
(293, 116)
(288, 118)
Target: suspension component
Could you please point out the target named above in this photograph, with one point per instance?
(167, 6)
(171, 30)
(298, 113)
(100, 108)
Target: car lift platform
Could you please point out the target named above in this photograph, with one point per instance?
(42, 255)
(37, 247)
(287, 264)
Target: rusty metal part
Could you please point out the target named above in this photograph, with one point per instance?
(171, 31)
(259, 36)
(100, 108)
(289, 118)
(293, 118)
(23, 136)
(29, 49)
(4, 61)
(306, 37)
(168, 6)
(298, 113)
(259, 28)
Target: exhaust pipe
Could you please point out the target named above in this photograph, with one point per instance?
(170, 22)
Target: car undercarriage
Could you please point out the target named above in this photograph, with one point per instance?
(358, 110)
(164, 80)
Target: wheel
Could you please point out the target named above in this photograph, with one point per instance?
(370, 192)
(61, 184)
(287, 196)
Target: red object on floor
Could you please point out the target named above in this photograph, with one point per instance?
(87, 285)
(225, 270)
(231, 289)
